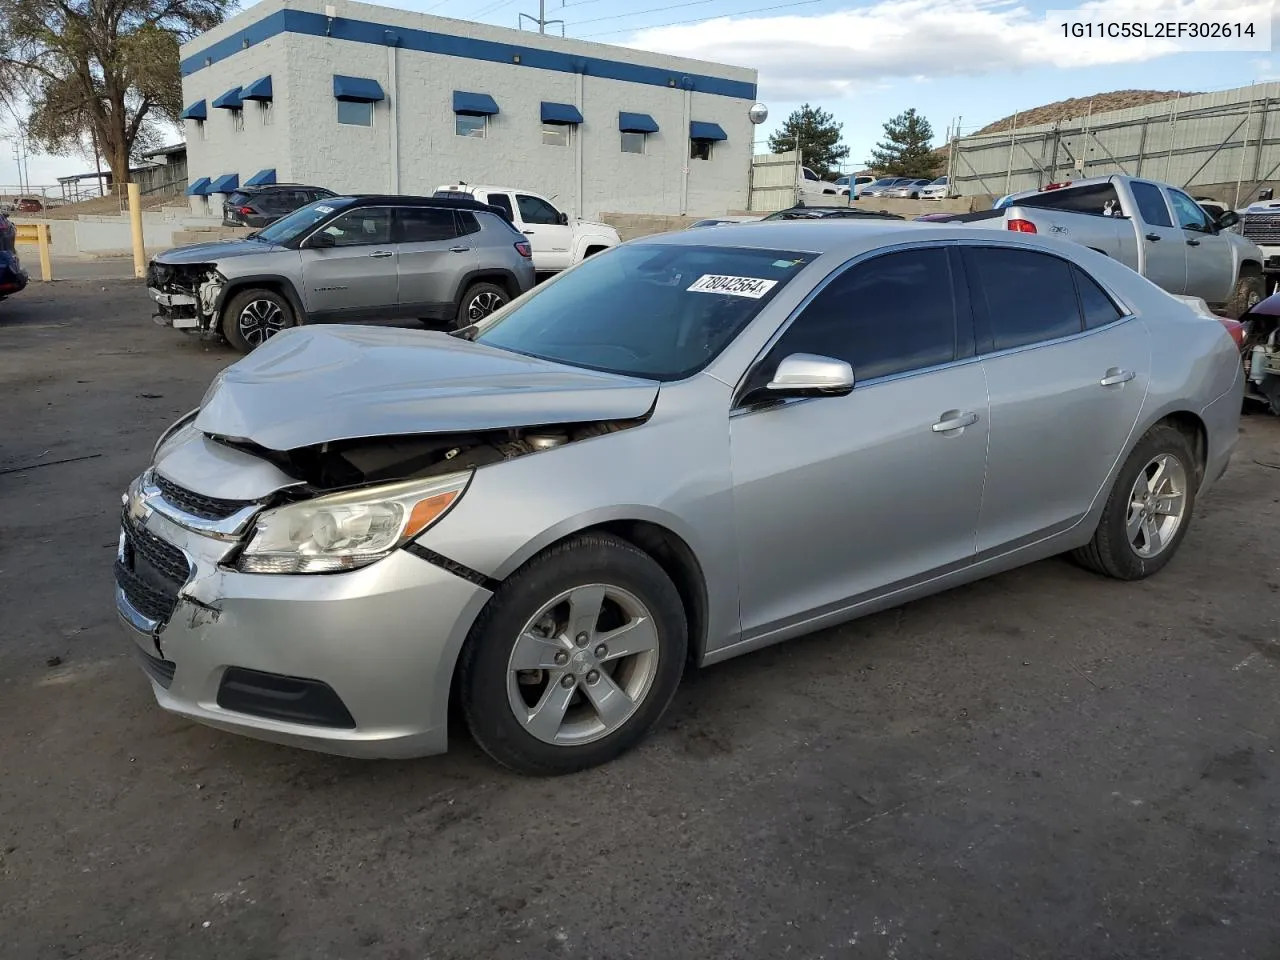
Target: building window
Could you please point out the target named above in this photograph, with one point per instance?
(555, 134)
(700, 149)
(633, 142)
(237, 120)
(358, 113)
(466, 125)
(265, 108)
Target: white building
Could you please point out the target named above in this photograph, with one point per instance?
(374, 100)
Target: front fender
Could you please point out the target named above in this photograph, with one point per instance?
(582, 243)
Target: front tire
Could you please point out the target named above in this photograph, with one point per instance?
(480, 300)
(575, 658)
(253, 316)
(1149, 510)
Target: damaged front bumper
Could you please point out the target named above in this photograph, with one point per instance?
(356, 664)
(186, 298)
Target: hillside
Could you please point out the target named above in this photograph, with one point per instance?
(1079, 107)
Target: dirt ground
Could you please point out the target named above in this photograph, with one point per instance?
(1042, 765)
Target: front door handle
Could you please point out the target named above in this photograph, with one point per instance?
(1116, 376)
(954, 420)
(379, 254)
(459, 249)
(1193, 243)
(1153, 237)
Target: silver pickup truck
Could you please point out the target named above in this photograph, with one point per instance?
(1152, 227)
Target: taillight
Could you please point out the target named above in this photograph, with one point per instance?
(1021, 226)
(1236, 329)
(1058, 186)
(523, 248)
(246, 210)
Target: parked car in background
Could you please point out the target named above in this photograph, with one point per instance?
(13, 278)
(558, 240)
(881, 187)
(853, 185)
(346, 258)
(1260, 223)
(716, 221)
(938, 189)
(809, 185)
(908, 190)
(801, 212)
(694, 446)
(262, 206)
(1152, 227)
(27, 205)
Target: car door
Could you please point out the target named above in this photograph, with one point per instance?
(1210, 265)
(551, 240)
(1067, 372)
(356, 274)
(431, 257)
(842, 498)
(1164, 250)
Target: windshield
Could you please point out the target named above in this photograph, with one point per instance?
(658, 311)
(301, 220)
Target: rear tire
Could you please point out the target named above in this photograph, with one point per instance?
(255, 315)
(480, 300)
(1157, 485)
(543, 643)
(1250, 289)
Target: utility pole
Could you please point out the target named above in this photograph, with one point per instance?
(541, 19)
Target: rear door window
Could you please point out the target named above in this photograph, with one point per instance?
(425, 224)
(1151, 205)
(1098, 308)
(1020, 297)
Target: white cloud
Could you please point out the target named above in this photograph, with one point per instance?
(836, 54)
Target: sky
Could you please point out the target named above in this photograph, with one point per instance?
(976, 60)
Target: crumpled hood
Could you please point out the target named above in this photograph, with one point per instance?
(214, 251)
(311, 385)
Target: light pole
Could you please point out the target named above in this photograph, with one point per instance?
(758, 114)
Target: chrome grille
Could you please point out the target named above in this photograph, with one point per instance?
(150, 571)
(196, 504)
(1261, 227)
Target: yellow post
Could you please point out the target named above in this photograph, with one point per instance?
(44, 241)
(135, 225)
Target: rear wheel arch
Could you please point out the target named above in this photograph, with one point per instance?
(502, 278)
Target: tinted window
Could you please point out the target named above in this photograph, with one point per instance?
(424, 224)
(660, 311)
(1091, 199)
(889, 315)
(809, 174)
(364, 226)
(237, 199)
(1151, 205)
(356, 113)
(537, 210)
(468, 224)
(1191, 215)
(1025, 297)
(503, 202)
(1098, 308)
(301, 220)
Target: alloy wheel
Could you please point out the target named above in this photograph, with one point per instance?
(259, 320)
(582, 665)
(483, 304)
(1157, 505)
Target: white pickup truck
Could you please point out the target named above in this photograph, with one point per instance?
(1155, 228)
(558, 241)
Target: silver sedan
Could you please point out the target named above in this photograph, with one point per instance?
(687, 448)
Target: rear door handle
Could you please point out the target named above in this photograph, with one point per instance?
(1193, 243)
(459, 249)
(1153, 237)
(379, 254)
(1116, 376)
(954, 420)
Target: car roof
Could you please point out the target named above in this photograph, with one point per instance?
(399, 200)
(259, 187)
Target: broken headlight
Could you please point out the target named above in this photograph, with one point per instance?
(346, 531)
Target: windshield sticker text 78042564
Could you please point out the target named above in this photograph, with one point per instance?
(753, 287)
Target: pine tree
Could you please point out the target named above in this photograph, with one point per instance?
(905, 150)
(818, 136)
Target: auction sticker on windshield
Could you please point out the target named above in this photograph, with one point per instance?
(753, 287)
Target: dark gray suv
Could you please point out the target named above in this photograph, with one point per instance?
(347, 258)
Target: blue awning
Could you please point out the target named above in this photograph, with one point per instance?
(474, 104)
(199, 188)
(636, 123)
(357, 89)
(260, 89)
(261, 178)
(197, 111)
(560, 113)
(706, 131)
(225, 183)
(229, 100)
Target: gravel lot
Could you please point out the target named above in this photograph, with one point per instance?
(1045, 764)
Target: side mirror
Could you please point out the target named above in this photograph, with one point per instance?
(1227, 220)
(319, 241)
(562, 219)
(805, 375)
